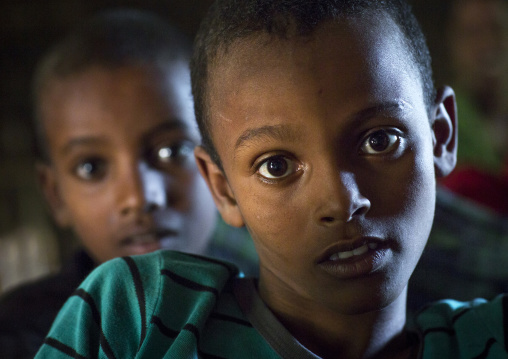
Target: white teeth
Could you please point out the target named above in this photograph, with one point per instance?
(363, 249)
(345, 255)
(356, 252)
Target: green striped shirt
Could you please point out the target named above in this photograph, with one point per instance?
(174, 305)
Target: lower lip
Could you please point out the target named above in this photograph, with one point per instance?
(358, 266)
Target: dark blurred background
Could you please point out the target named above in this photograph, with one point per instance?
(28, 241)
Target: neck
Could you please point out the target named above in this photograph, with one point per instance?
(376, 334)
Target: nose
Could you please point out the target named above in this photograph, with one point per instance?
(340, 199)
(143, 189)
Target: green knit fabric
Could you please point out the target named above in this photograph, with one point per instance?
(175, 305)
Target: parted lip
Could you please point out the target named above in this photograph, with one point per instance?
(147, 235)
(347, 245)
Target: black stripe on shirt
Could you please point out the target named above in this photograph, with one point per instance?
(457, 316)
(97, 319)
(485, 352)
(140, 294)
(229, 318)
(193, 329)
(208, 356)
(232, 270)
(170, 333)
(189, 283)
(67, 350)
(89, 300)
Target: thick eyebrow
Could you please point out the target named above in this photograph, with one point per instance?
(383, 108)
(170, 125)
(285, 133)
(83, 141)
(275, 132)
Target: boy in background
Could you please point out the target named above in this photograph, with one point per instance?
(116, 131)
(323, 135)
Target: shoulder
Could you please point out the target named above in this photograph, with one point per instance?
(150, 269)
(475, 328)
(118, 306)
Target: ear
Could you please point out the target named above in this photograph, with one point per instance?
(444, 130)
(219, 187)
(48, 184)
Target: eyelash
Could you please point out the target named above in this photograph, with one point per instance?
(96, 173)
(289, 166)
(394, 137)
(164, 155)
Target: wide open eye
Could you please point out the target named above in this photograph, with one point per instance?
(277, 167)
(379, 142)
(90, 169)
(168, 154)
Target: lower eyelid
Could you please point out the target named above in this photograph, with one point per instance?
(389, 132)
(296, 167)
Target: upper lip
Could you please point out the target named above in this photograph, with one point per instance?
(347, 245)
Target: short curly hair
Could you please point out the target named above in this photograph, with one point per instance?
(111, 39)
(230, 20)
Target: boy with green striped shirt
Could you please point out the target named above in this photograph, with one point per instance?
(323, 135)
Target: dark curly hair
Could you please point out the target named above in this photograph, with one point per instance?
(110, 39)
(230, 20)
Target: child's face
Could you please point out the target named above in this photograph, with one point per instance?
(328, 159)
(122, 174)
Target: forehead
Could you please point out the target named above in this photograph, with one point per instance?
(342, 67)
(125, 98)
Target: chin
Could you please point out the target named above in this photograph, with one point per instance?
(375, 298)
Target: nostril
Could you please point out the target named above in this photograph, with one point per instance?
(361, 211)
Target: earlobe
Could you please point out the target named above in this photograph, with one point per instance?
(444, 130)
(219, 187)
(47, 182)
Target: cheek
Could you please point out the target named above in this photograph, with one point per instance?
(90, 209)
(422, 198)
(272, 216)
(404, 187)
(93, 216)
(411, 205)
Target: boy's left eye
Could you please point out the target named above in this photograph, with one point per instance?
(90, 169)
(277, 167)
(172, 153)
(379, 142)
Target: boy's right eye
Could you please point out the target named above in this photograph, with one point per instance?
(90, 169)
(277, 167)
